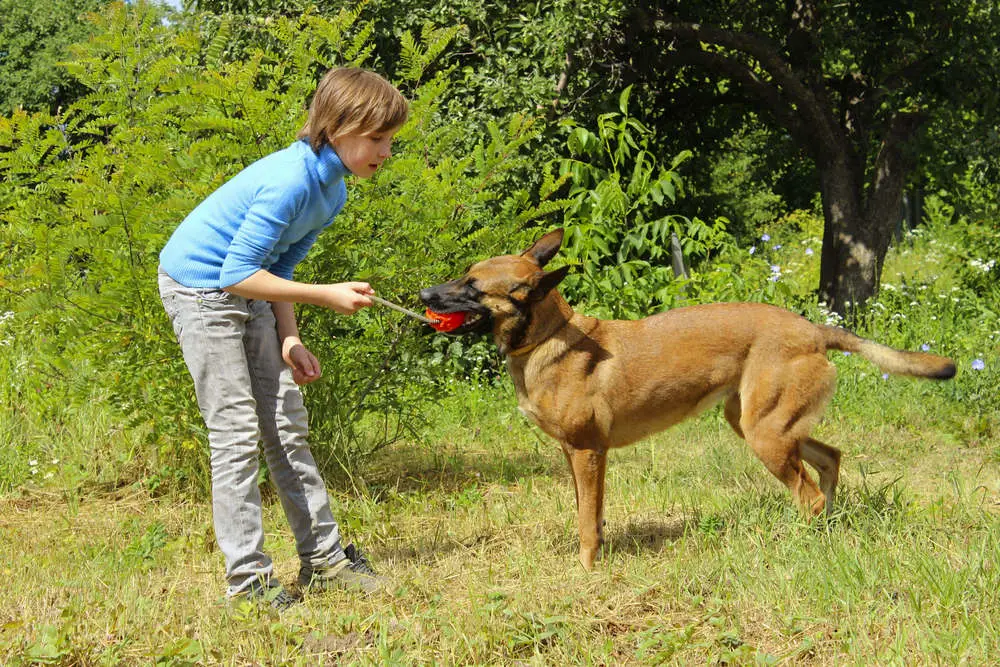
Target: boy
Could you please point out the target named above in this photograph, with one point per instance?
(226, 283)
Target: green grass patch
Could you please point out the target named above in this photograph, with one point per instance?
(706, 559)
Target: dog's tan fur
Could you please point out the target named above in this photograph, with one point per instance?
(594, 385)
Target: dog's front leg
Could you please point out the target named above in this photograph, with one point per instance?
(588, 466)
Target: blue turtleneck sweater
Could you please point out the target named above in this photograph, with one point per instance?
(265, 217)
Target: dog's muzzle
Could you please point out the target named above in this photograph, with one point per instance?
(451, 297)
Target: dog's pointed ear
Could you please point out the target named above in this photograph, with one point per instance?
(548, 282)
(545, 248)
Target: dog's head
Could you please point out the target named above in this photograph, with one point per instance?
(499, 293)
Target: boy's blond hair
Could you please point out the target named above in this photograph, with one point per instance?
(351, 100)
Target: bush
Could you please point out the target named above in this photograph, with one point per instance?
(89, 196)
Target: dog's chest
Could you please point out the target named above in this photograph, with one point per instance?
(533, 411)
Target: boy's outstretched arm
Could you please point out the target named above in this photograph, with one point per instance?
(344, 298)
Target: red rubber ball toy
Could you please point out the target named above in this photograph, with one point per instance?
(445, 321)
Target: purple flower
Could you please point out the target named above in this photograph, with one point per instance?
(809, 252)
(753, 249)
(978, 365)
(765, 237)
(777, 246)
(775, 268)
(885, 376)
(846, 353)
(925, 347)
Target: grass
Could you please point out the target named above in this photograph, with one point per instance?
(706, 561)
(474, 523)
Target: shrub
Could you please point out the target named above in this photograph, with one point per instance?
(90, 195)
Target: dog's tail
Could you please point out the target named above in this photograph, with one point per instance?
(890, 360)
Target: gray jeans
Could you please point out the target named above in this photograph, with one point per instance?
(246, 396)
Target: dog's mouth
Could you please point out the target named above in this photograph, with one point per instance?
(473, 319)
(475, 316)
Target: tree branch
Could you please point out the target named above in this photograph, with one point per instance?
(748, 80)
(811, 110)
(891, 166)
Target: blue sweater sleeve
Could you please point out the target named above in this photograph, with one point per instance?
(285, 266)
(274, 205)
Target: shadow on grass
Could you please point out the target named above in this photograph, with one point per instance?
(648, 535)
(454, 471)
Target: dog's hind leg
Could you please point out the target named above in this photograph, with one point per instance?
(826, 460)
(733, 413)
(777, 414)
(588, 466)
(821, 456)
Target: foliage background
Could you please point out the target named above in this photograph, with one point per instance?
(104, 524)
(171, 105)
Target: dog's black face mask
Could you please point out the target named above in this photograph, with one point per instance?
(498, 294)
(459, 296)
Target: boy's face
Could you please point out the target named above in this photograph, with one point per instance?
(363, 154)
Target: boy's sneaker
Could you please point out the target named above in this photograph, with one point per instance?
(353, 573)
(275, 597)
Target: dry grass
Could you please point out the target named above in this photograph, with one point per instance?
(706, 560)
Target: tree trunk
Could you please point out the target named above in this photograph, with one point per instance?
(849, 267)
(858, 221)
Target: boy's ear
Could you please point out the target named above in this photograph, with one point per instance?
(548, 282)
(545, 248)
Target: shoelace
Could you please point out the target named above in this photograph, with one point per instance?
(282, 601)
(279, 599)
(358, 561)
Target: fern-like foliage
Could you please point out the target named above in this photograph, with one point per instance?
(89, 196)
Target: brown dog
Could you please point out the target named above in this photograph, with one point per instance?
(598, 384)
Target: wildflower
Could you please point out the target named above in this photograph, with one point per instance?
(846, 353)
(809, 252)
(33, 462)
(885, 376)
(765, 237)
(777, 246)
(925, 347)
(978, 365)
(775, 273)
(753, 249)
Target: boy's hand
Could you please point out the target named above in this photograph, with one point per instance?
(305, 365)
(347, 298)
